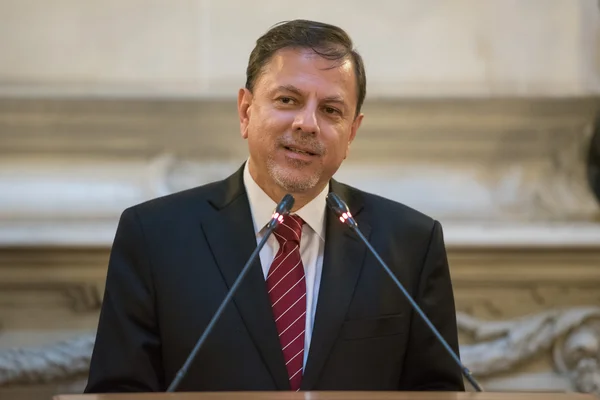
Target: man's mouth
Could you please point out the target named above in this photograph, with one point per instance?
(299, 151)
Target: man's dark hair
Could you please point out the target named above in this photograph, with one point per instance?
(328, 41)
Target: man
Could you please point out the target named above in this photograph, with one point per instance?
(316, 312)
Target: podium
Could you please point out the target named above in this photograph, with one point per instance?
(333, 396)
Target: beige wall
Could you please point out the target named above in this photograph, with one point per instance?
(200, 47)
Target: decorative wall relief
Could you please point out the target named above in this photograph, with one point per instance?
(500, 345)
(577, 356)
(572, 336)
(64, 360)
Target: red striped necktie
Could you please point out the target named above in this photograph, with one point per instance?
(287, 290)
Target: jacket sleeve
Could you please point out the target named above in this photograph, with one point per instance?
(126, 355)
(427, 365)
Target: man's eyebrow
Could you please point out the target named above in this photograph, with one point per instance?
(334, 99)
(290, 88)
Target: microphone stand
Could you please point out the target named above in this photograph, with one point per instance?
(341, 209)
(282, 209)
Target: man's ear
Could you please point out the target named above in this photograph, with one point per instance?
(353, 130)
(244, 110)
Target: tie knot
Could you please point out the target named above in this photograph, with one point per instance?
(290, 230)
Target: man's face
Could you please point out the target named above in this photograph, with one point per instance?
(299, 121)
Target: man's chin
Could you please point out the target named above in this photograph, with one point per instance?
(295, 182)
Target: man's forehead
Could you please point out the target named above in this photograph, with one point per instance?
(302, 57)
(303, 68)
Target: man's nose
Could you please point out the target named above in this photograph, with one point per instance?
(306, 120)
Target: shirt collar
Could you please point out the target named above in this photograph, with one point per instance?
(262, 207)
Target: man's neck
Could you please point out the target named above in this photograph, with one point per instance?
(302, 199)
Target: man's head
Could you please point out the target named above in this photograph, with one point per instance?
(300, 109)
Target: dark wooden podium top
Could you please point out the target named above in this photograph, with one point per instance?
(333, 396)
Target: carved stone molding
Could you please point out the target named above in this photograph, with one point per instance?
(572, 336)
(428, 130)
(77, 297)
(78, 203)
(84, 297)
(49, 290)
(63, 360)
(493, 171)
(505, 283)
(72, 277)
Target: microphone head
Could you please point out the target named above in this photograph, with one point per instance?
(285, 205)
(283, 208)
(340, 209)
(336, 204)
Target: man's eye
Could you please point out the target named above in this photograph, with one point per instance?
(286, 100)
(331, 110)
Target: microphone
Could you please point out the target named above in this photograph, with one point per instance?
(282, 209)
(340, 208)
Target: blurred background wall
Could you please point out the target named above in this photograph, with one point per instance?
(481, 113)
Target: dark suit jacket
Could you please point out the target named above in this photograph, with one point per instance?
(174, 258)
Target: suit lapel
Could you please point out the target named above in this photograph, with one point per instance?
(342, 263)
(230, 235)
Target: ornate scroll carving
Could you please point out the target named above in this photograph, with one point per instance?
(572, 335)
(577, 356)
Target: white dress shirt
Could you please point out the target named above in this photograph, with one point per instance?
(312, 242)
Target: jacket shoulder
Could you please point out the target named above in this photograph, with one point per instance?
(387, 211)
(185, 202)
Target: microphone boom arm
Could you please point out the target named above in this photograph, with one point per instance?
(464, 369)
(341, 210)
(282, 209)
(183, 371)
